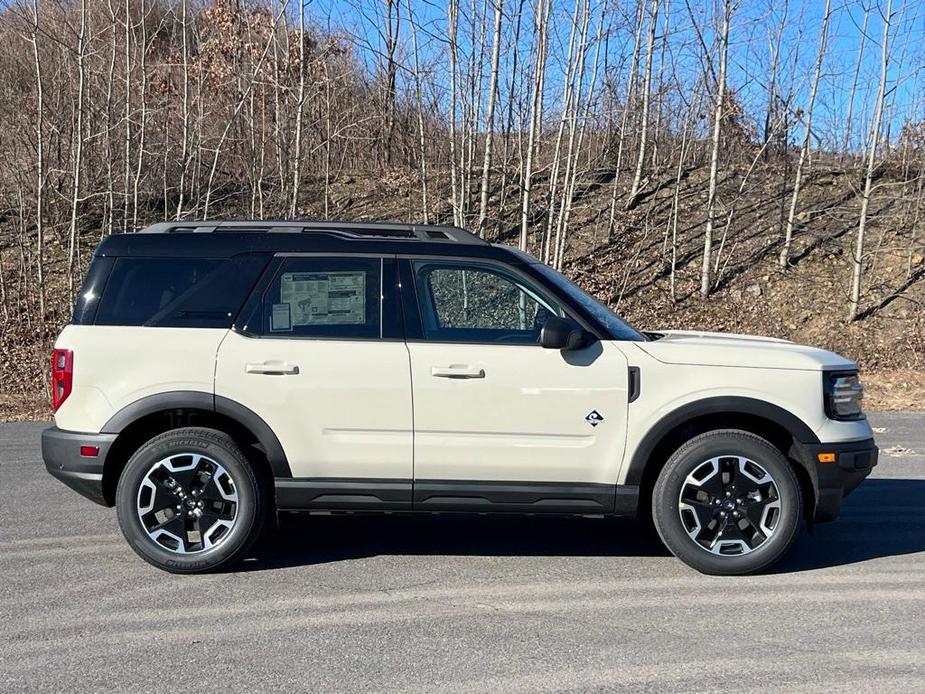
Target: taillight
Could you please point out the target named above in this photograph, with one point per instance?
(62, 376)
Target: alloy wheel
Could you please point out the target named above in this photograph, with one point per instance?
(187, 503)
(729, 505)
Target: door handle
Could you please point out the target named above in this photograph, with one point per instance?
(456, 371)
(272, 368)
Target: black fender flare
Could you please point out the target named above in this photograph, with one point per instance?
(797, 428)
(199, 400)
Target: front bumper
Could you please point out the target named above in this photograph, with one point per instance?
(834, 481)
(83, 474)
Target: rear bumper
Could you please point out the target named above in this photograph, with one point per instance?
(83, 474)
(834, 481)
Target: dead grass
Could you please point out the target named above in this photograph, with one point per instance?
(898, 389)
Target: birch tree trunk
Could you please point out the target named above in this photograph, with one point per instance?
(714, 150)
(39, 161)
(109, 217)
(574, 149)
(184, 105)
(78, 145)
(536, 115)
(770, 115)
(563, 120)
(854, 81)
(490, 116)
(857, 261)
(299, 116)
(630, 97)
(784, 259)
(143, 116)
(644, 117)
(127, 153)
(422, 148)
(453, 23)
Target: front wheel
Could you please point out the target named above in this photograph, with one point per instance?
(727, 502)
(188, 501)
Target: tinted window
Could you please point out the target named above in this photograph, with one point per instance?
(619, 329)
(325, 297)
(177, 292)
(478, 303)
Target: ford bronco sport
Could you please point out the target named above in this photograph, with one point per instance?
(215, 373)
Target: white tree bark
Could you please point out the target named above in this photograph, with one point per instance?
(39, 160)
(453, 24)
(714, 150)
(78, 137)
(857, 261)
(644, 117)
(490, 116)
(536, 115)
(784, 259)
(624, 117)
(299, 116)
(422, 147)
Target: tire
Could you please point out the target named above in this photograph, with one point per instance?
(189, 501)
(727, 503)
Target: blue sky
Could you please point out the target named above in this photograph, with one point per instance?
(752, 29)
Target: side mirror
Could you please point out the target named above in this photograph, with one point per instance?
(562, 333)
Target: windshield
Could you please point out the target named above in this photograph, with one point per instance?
(618, 328)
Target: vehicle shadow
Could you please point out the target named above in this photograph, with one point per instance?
(882, 518)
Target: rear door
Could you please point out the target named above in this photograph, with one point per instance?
(322, 361)
(500, 422)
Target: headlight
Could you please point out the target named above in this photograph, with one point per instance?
(843, 393)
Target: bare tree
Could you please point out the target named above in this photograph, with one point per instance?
(849, 117)
(536, 113)
(39, 159)
(453, 23)
(78, 137)
(728, 9)
(422, 148)
(784, 258)
(857, 261)
(490, 116)
(299, 115)
(624, 118)
(644, 116)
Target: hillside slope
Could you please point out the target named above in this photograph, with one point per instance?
(632, 270)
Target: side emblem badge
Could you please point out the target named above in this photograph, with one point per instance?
(594, 418)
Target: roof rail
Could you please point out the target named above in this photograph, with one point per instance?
(411, 232)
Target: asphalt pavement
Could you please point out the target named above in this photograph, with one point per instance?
(462, 604)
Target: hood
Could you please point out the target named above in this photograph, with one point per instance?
(726, 349)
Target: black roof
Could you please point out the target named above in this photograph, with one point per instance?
(220, 238)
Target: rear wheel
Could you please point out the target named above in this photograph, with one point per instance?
(188, 501)
(727, 502)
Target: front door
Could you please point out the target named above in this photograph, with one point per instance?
(322, 362)
(499, 421)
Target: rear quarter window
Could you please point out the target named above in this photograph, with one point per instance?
(177, 292)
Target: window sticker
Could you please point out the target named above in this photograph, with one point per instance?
(280, 319)
(324, 298)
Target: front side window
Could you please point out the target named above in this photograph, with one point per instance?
(325, 297)
(462, 302)
(616, 326)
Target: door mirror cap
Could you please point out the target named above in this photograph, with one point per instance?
(564, 334)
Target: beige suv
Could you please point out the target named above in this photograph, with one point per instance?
(215, 373)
